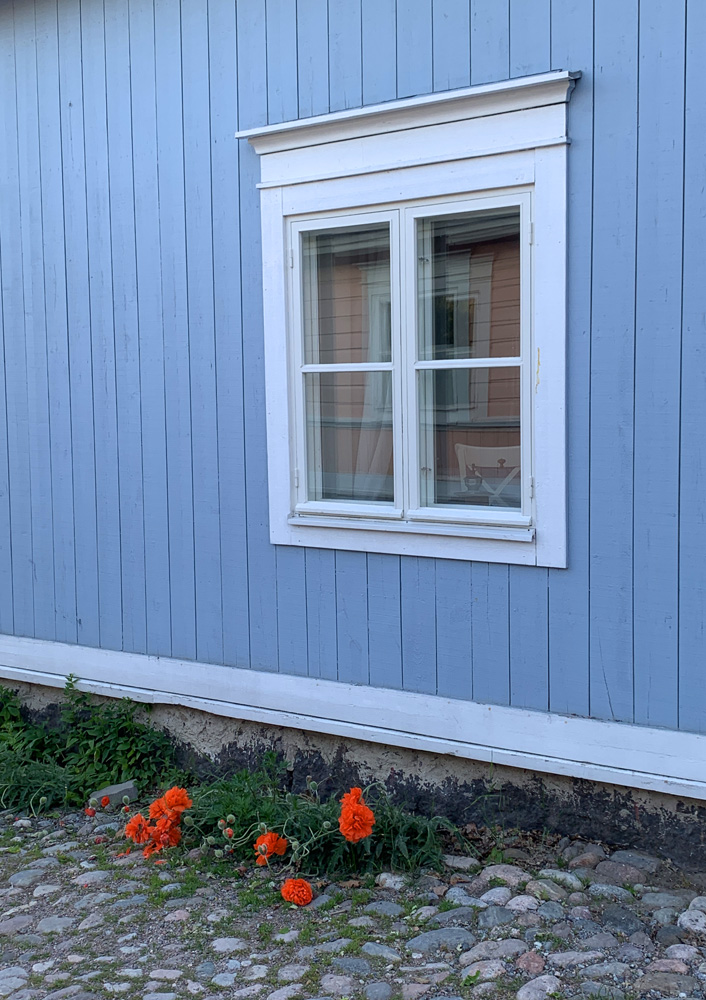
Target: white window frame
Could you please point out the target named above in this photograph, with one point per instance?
(489, 144)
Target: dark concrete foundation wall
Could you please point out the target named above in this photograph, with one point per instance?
(462, 790)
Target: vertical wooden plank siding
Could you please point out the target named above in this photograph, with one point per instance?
(658, 362)
(451, 37)
(228, 331)
(490, 631)
(290, 562)
(125, 319)
(352, 617)
(612, 360)
(418, 579)
(322, 639)
(490, 40)
(35, 340)
(572, 45)
(414, 48)
(15, 310)
(102, 328)
(60, 458)
(454, 662)
(79, 322)
(529, 586)
(692, 482)
(252, 111)
(133, 461)
(490, 611)
(312, 57)
(384, 621)
(292, 633)
(379, 50)
(202, 347)
(344, 54)
(281, 24)
(148, 250)
(177, 369)
(530, 36)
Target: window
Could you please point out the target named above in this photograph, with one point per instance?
(414, 279)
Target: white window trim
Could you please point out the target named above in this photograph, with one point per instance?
(489, 141)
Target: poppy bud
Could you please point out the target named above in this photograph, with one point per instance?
(327, 825)
(313, 785)
(219, 854)
(211, 840)
(93, 802)
(221, 824)
(228, 833)
(43, 800)
(187, 820)
(126, 800)
(230, 819)
(262, 827)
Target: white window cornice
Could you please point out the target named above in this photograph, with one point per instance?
(529, 92)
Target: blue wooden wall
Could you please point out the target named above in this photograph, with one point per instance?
(133, 484)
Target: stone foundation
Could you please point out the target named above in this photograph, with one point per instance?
(462, 790)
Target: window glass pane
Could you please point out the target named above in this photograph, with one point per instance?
(470, 437)
(468, 285)
(346, 295)
(349, 436)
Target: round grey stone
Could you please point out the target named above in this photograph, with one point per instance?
(446, 938)
(551, 911)
(669, 935)
(376, 950)
(494, 916)
(356, 966)
(384, 908)
(622, 919)
(205, 971)
(25, 878)
(378, 991)
(55, 925)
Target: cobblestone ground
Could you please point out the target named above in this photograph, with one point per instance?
(571, 921)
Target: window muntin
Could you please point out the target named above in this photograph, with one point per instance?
(431, 421)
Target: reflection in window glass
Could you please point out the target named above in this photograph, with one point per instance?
(470, 437)
(349, 436)
(468, 281)
(346, 295)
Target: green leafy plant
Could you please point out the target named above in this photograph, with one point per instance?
(64, 759)
(230, 813)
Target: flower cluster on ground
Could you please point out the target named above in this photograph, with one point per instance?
(163, 828)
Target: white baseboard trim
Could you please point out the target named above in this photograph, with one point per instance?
(635, 756)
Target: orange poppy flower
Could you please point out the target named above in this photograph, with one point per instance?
(105, 801)
(137, 829)
(177, 799)
(297, 890)
(356, 820)
(273, 844)
(158, 808)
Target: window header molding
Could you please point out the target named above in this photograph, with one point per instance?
(528, 92)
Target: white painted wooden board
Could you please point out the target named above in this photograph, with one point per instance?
(635, 756)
